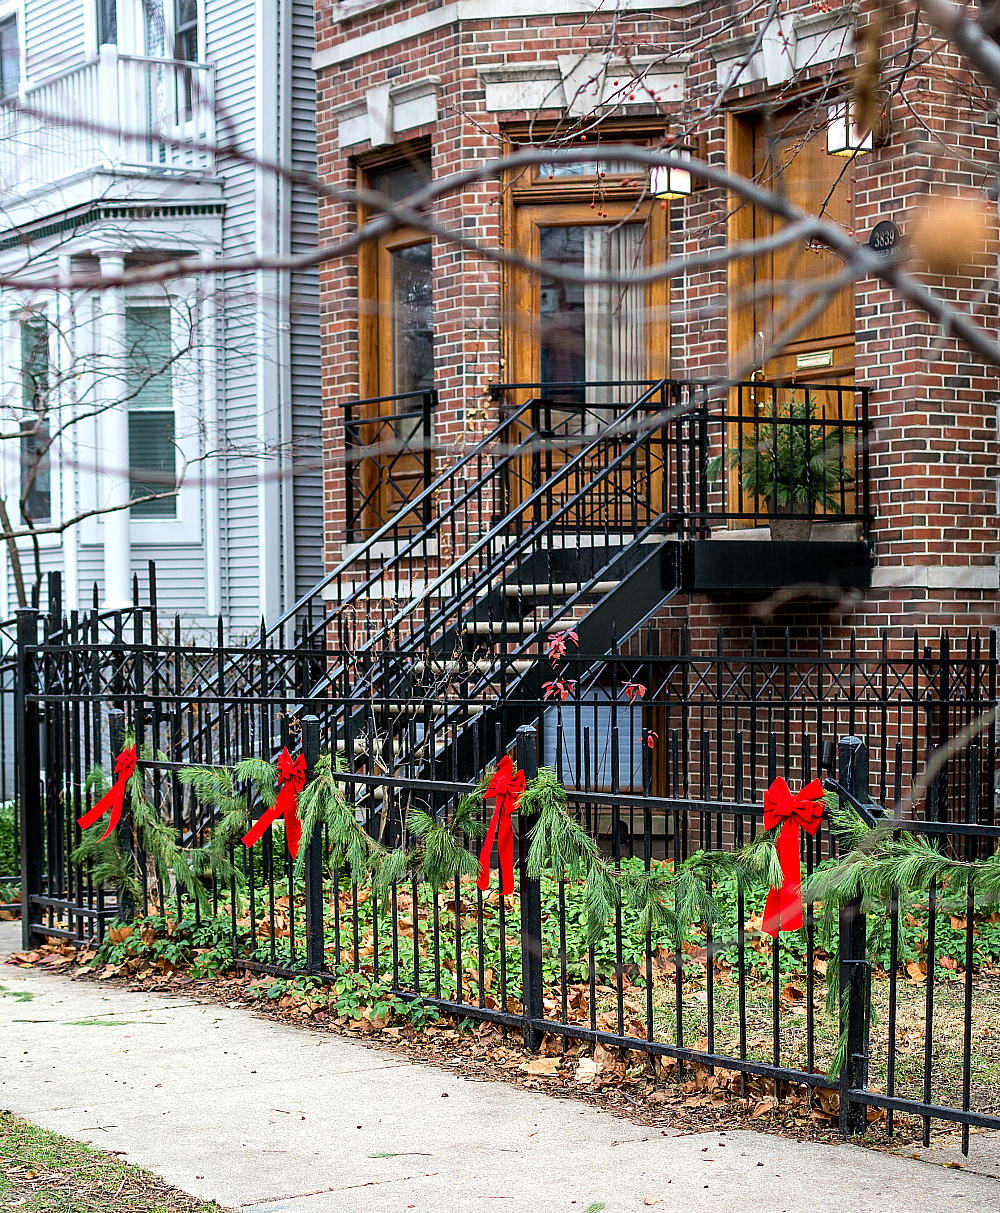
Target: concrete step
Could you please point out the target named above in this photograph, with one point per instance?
(516, 627)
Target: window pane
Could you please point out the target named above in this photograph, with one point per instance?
(34, 363)
(152, 459)
(593, 332)
(562, 318)
(10, 58)
(400, 180)
(186, 30)
(155, 27)
(412, 320)
(36, 479)
(149, 378)
(107, 22)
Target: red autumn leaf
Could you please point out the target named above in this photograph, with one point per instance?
(652, 738)
(634, 690)
(555, 648)
(561, 688)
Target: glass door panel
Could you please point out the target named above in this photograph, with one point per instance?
(588, 344)
(412, 318)
(396, 436)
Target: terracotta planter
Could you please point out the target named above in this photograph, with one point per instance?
(786, 528)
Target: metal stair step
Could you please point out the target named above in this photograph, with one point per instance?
(562, 589)
(517, 627)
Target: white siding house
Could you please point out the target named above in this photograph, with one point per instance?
(118, 156)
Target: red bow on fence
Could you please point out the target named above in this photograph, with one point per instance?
(291, 781)
(506, 788)
(783, 911)
(114, 798)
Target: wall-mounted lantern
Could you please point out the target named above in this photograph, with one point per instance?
(843, 138)
(667, 183)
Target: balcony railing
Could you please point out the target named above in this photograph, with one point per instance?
(782, 455)
(389, 460)
(724, 457)
(119, 112)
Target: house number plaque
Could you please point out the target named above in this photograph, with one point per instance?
(884, 238)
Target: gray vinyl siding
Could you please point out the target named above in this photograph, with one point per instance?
(53, 36)
(307, 486)
(230, 38)
(181, 583)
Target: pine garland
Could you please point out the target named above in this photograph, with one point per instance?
(876, 866)
(663, 901)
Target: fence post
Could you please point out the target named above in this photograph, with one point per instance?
(314, 859)
(123, 836)
(852, 771)
(27, 758)
(531, 899)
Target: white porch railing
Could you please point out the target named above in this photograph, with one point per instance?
(124, 112)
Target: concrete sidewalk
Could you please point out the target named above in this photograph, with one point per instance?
(265, 1117)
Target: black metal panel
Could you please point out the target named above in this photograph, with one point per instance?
(721, 564)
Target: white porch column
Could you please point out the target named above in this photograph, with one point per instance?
(115, 490)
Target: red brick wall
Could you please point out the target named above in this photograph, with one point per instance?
(933, 405)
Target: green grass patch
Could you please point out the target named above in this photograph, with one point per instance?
(99, 1023)
(41, 1172)
(17, 995)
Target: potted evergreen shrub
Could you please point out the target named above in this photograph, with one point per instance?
(794, 466)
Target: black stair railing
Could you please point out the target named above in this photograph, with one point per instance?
(576, 497)
(584, 497)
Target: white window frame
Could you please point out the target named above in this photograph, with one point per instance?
(10, 407)
(187, 526)
(15, 8)
(131, 28)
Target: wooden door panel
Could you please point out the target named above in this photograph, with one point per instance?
(787, 154)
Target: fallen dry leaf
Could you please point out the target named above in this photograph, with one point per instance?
(546, 1067)
(764, 1107)
(586, 1070)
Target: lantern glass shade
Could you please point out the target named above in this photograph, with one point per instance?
(669, 182)
(843, 138)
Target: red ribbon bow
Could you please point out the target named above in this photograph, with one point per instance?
(783, 911)
(506, 788)
(114, 798)
(291, 781)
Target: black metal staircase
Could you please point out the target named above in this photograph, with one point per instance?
(572, 514)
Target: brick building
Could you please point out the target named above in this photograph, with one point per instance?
(906, 536)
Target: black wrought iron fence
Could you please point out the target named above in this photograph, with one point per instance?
(722, 724)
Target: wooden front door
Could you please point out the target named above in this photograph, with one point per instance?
(588, 347)
(789, 325)
(788, 154)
